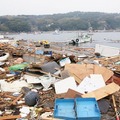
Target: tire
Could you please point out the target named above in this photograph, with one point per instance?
(77, 40)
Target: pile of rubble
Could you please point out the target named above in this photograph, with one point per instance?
(32, 78)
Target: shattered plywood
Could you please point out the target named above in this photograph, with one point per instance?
(103, 91)
(72, 94)
(109, 61)
(80, 71)
(115, 78)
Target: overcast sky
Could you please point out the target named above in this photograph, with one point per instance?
(42, 7)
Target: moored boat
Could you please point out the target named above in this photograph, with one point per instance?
(81, 39)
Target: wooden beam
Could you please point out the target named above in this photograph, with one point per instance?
(18, 98)
(103, 91)
(10, 117)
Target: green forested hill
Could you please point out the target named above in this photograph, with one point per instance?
(67, 21)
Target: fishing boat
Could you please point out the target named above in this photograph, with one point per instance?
(83, 38)
(56, 32)
(4, 39)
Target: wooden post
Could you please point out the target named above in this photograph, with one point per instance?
(115, 108)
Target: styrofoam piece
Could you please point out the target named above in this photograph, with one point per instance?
(89, 84)
(31, 79)
(64, 61)
(62, 86)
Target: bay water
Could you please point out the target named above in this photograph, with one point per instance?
(104, 38)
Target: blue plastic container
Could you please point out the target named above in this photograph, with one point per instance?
(77, 109)
(64, 109)
(39, 52)
(87, 109)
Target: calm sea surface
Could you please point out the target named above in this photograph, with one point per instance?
(104, 38)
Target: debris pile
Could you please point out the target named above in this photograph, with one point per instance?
(47, 82)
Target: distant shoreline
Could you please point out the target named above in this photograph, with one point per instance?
(40, 32)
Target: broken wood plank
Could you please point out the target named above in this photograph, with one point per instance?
(18, 98)
(10, 117)
(10, 79)
(72, 94)
(103, 91)
(9, 96)
(115, 108)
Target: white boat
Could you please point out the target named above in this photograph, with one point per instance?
(4, 57)
(56, 32)
(83, 38)
(4, 39)
(12, 41)
(1, 36)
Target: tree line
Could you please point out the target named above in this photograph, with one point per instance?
(67, 21)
